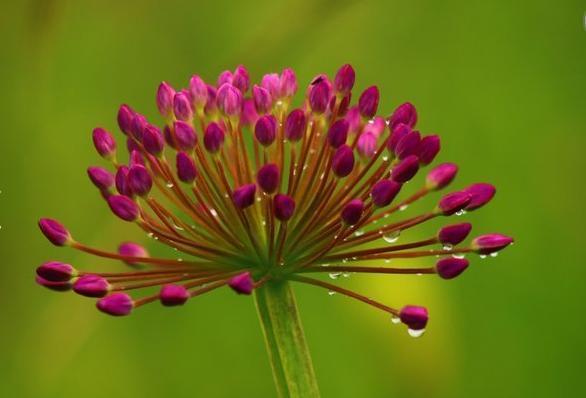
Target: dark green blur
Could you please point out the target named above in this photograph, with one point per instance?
(504, 84)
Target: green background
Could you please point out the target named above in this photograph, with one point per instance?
(503, 82)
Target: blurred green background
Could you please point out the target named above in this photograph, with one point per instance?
(503, 82)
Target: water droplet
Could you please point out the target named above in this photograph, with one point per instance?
(459, 255)
(415, 333)
(331, 292)
(169, 185)
(385, 158)
(460, 212)
(359, 233)
(304, 167)
(264, 223)
(392, 237)
(335, 275)
(387, 261)
(395, 319)
(448, 247)
(226, 195)
(156, 238)
(258, 199)
(150, 234)
(344, 260)
(346, 274)
(180, 259)
(177, 227)
(325, 265)
(483, 256)
(386, 215)
(419, 274)
(403, 207)
(494, 254)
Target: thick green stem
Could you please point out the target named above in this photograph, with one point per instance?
(285, 341)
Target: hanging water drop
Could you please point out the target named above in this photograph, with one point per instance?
(459, 255)
(483, 256)
(448, 247)
(494, 254)
(415, 333)
(395, 320)
(392, 237)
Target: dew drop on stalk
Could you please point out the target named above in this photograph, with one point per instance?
(169, 185)
(359, 233)
(448, 247)
(346, 274)
(331, 292)
(335, 275)
(459, 255)
(395, 320)
(392, 237)
(403, 207)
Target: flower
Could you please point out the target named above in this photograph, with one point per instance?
(270, 192)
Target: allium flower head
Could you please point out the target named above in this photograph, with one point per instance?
(246, 188)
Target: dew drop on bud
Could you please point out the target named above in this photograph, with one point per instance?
(415, 333)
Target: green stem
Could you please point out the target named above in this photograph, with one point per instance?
(285, 341)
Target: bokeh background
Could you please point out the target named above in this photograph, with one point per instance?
(503, 82)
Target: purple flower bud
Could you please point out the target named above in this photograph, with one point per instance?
(262, 99)
(131, 249)
(338, 133)
(91, 286)
(408, 145)
(242, 283)
(414, 317)
(384, 191)
(172, 295)
(405, 113)
(104, 143)
(213, 137)
(131, 145)
(139, 180)
(165, 94)
(454, 234)
(244, 196)
(368, 102)
(481, 194)
(116, 304)
(248, 117)
(185, 135)
(198, 91)
(122, 181)
(241, 79)
(319, 97)
(55, 286)
(406, 169)
(272, 83)
(353, 119)
(343, 161)
(55, 232)
(366, 144)
(453, 202)
(100, 177)
(490, 243)
(186, 169)
(400, 131)
(182, 106)
(344, 80)
(55, 271)
(136, 159)
(344, 104)
(265, 130)
(451, 267)
(123, 207)
(287, 83)
(268, 177)
(428, 149)
(284, 207)
(295, 125)
(441, 176)
(139, 122)
(229, 100)
(224, 77)
(125, 116)
(352, 211)
(153, 140)
(211, 103)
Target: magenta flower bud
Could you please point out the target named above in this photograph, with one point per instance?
(55, 232)
(268, 178)
(116, 304)
(186, 169)
(368, 102)
(124, 118)
(242, 283)
(414, 317)
(343, 161)
(408, 145)
(284, 207)
(295, 125)
(225, 77)
(198, 91)
(243, 196)
(454, 234)
(287, 83)
(241, 79)
(428, 149)
(344, 80)
(262, 99)
(338, 133)
(165, 94)
(319, 97)
(121, 180)
(406, 169)
(123, 207)
(139, 122)
(104, 143)
(481, 194)
(265, 130)
(229, 100)
(353, 119)
(55, 271)
(131, 249)
(377, 126)
(136, 159)
(132, 145)
(211, 103)
(383, 192)
(366, 144)
(352, 211)
(272, 83)
(344, 104)
(405, 113)
(91, 286)
(441, 176)
(185, 135)
(100, 177)
(453, 202)
(55, 286)
(213, 137)
(398, 133)
(182, 106)
(172, 295)
(451, 267)
(249, 116)
(152, 140)
(139, 180)
(490, 243)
